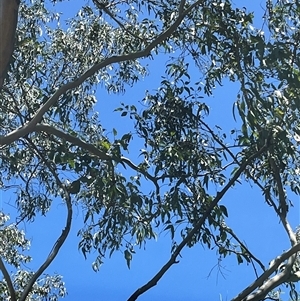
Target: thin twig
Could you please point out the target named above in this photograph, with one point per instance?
(105, 8)
(229, 230)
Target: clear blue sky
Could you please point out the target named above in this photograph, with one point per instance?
(196, 277)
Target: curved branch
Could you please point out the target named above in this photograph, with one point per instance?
(74, 140)
(285, 275)
(282, 201)
(196, 228)
(61, 239)
(269, 285)
(29, 127)
(263, 285)
(92, 149)
(8, 281)
(283, 208)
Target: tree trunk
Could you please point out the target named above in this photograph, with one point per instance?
(8, 24)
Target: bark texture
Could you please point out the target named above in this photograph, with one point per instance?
(8, 24)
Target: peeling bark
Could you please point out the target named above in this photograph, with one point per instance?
(8, 24)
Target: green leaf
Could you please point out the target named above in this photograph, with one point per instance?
(224, 210)
(74, 188)
(239, 258)
(128, 257)
(172, 230)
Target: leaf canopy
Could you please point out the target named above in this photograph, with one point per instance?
(53, 144)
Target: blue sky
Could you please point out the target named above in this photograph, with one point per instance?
(197, 276)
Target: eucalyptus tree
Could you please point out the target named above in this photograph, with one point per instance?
(53, 144)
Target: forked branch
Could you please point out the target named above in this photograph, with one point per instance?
(196, 228)
(9, 283)
(29, 127)
(266, 287)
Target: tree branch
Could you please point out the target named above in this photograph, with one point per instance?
(93, 150)
(61, 239)
(8, 281)
(29, 127)
(286, 273)
(281, 194)
(196, 228)
(74, 140)
(105, 8)
(269, 285)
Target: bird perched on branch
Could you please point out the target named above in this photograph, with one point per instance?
(8, 24)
